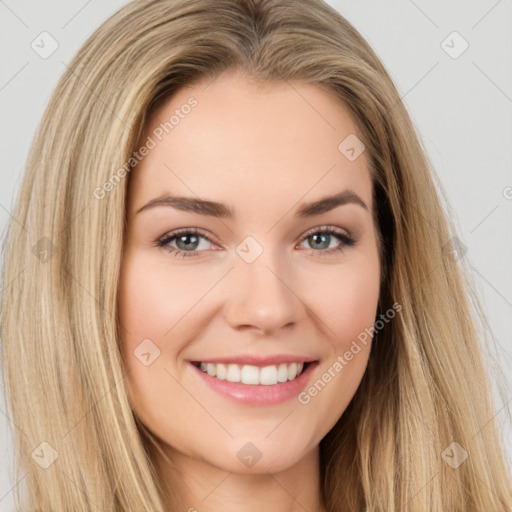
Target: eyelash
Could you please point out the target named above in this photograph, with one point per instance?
(163, 242)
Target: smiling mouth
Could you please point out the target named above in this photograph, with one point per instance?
(253, 375)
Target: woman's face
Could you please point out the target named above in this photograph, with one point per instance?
(259, 286)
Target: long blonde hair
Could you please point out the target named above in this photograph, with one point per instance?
(425, 386)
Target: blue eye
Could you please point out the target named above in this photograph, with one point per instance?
(323, 236)
(188, 241)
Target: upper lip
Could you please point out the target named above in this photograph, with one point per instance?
(257, 360)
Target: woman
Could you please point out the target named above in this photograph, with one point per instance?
(185, 344)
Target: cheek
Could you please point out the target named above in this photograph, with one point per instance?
(154, 297)
(351, 309)
(348, 307)
(346, 299)
(348, 310)
(148, 309)
(158, 313)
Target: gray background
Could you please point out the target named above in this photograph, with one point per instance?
(461, 107)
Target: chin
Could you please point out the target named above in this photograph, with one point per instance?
(258, 457)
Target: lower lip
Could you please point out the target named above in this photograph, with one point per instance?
(250, 394)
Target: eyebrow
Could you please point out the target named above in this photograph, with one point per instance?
(214, 209)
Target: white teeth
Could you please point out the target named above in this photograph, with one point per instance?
(233, 374)
(268, 375)
(250, 374)
(253, 375)
(222, 371)
(282, 373)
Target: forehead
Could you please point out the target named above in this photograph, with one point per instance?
(248, 145)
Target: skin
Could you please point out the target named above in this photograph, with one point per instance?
(263, 151)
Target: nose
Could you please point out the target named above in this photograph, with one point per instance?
(261, 297)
